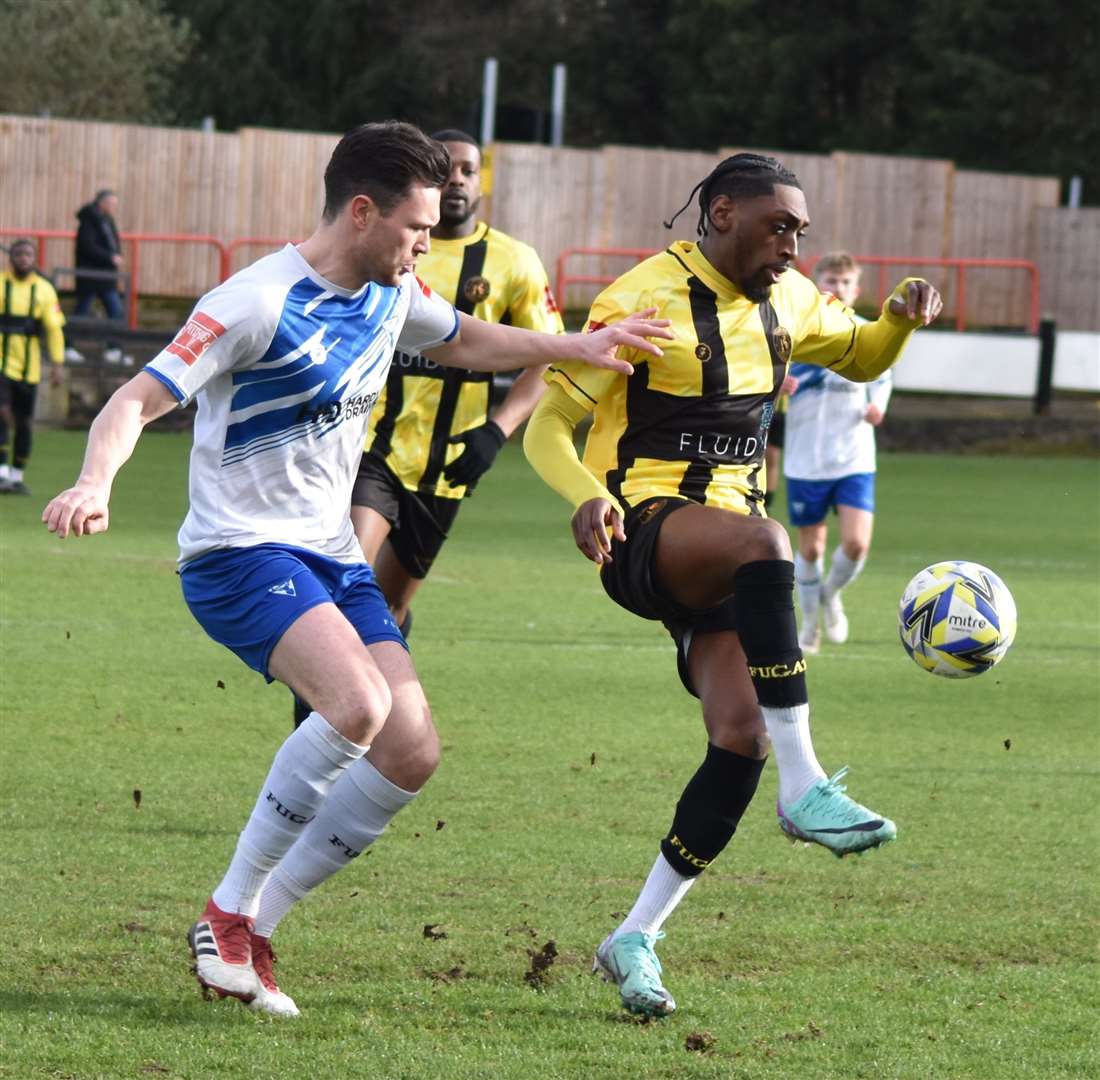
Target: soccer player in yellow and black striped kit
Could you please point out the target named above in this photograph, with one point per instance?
(29, 314)
(669, 504)
(431, 437)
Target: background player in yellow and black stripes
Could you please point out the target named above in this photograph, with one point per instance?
(669, 504)
(29, 313)
(431, 436)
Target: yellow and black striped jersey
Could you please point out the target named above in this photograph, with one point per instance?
(693, 423)
(28, 308)
(493, 277)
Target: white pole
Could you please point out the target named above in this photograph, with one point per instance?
(489, 101)
(1075, 185)
(557, 106)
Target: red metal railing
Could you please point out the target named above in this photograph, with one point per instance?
(134, 240)
(226, 250)
(252, 241)
(960, 266)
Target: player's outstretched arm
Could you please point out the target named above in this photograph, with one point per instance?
(548, 444)
(482, 346)
(82, 509)
(873, 347)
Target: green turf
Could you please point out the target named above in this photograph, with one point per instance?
(967, 949)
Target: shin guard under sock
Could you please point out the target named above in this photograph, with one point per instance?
(709, 810)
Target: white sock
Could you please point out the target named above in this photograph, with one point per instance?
(807, 579)
(302, 774)
(5, 472)
(842, 571)
(793, 748)
(662, 891)
(16, 475)
(359, 807)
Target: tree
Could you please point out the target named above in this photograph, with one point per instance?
(92, 59)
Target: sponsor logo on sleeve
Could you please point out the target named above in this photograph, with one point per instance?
(425, 289)
(196, 337)
(551, 303)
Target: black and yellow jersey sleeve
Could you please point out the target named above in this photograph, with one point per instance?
(694, 422)
(490, 276)
(29, 312)
(828, 334)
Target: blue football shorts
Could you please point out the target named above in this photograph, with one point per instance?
(246, 598)
(809, 501)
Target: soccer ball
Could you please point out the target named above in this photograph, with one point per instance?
(956, 619)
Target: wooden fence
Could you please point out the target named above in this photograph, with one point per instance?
(261, 183)
(1069, 267)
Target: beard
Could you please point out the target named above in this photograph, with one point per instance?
(452, 219)
(756, 291)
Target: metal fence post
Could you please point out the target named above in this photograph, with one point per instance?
(1045, 380)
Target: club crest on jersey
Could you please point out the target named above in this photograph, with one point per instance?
(476, 289)
(781, 343)
(703, 352)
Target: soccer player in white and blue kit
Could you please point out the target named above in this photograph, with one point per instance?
(829, 463)
(285, 360)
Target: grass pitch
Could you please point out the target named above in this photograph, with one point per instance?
(967, 949)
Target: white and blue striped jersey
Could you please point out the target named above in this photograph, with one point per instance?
(826, 436)
(285, 368)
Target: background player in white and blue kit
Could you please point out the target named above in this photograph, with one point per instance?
(285, 360)
(830, 463)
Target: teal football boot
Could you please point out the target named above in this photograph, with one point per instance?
(630, 962)
(826, 816)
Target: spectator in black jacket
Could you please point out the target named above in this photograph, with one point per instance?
(98, 248)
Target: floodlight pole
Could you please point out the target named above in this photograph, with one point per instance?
(488, 101)
(557, 105)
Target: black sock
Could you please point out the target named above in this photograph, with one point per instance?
(764, 604)
(709, 810)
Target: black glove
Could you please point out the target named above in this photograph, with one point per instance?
(482, 446)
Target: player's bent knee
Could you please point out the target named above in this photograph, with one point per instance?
(362, 711)
(740, 733)
(812, 549)
(769, 540)
(855, 549)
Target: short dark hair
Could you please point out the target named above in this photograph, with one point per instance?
(741, 176)
(455, 135)
(103, 193)
(384, 161)
(21, 242)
